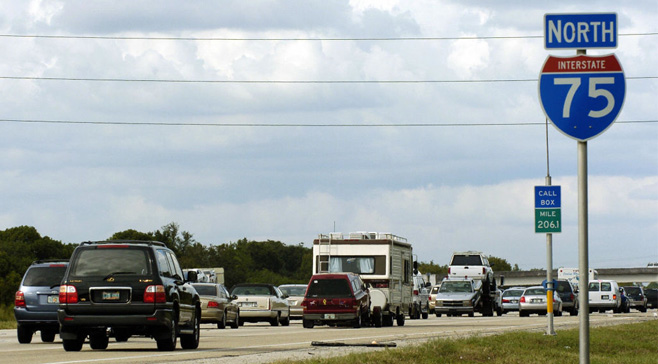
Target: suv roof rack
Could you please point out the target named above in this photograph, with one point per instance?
(121, 241)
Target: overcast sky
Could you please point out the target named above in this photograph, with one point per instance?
(267, 122)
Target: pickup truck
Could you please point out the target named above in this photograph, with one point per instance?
(473, 265)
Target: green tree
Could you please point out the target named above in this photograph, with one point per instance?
(132, 234)
(499, 264)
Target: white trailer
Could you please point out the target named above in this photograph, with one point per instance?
(573, 275)
(383, 260)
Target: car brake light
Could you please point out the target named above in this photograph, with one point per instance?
(19, 301)
(484, 271)
(572, 297)
(155, 294)
(505, 300)
(614, 296)
(213, 304)
(68, 294)
(522, 299)
(415, 292)
(449, 270)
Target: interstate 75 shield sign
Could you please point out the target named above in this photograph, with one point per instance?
(582, 95)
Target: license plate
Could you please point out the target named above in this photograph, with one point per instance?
(536, 300)
(53, 299)
(111, 296)
(605, 297)
(514, 301)
(330, 316)
(248, 304)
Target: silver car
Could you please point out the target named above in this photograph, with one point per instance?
(510, 299)
(534, 300)
(296, 293)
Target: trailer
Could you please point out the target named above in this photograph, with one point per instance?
(384, 261)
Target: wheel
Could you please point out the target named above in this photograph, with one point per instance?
(236, 323)
(308, 324)
(73, 344)
(400, 319)
(24, 334)
(377, 317)
(121, 337)
(357, 321)
(426, 314)
(387, 320)
(471, 314)
(191, 341)
(643, 308)
(438, 314)
(169, 343)
(573, 312)
(286, 321)
(276, 319)
(222, 323)
(523, 314)
(48, 335)
(558, 313)
(98, 341)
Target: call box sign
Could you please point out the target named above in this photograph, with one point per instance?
(548, 209)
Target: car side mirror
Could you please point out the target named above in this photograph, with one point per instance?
(284, 296)
(192, 276)
(234, 297)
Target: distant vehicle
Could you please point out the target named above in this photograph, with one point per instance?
(459, 296)
(510, 299)
(295, 294)
(475, 265)
(604, 295)
(383, 261)
(261, 302)
(652, 297)
(201, 277)
(637, 298)
(338, 298)
(217, 305)
(572, 275)
(37, 300)
(421, 293)
(569, 296)
(534, 300)
(432, 298)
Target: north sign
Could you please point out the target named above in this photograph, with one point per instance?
(582, 95)
(580, 31)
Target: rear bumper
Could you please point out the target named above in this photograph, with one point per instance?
(71, 325)
(25, 317)
(330, 317)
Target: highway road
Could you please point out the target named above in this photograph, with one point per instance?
(253, 343)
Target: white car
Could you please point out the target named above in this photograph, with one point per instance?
(535, 300)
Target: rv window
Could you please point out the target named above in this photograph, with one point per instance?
(361, 265)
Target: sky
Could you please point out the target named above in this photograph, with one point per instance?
(286, 119)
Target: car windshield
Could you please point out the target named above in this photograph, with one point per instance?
(44, 276)
(293, 290)
(205, 290)
(252, 291)
(111, 261)
(329, 288)
(513, 293)
(456, 287)
(534, 292)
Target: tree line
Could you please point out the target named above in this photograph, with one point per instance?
(243, 261)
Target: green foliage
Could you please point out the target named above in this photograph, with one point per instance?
(432, 268)
(499, 264)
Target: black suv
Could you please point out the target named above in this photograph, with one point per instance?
(124, 288)
(36, 301)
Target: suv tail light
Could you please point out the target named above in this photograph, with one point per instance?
(68, 294)
(19, 301)
(155, 294)
(614, 296)
(572, 297)
(484, 271)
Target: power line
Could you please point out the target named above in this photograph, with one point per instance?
(29, 78)
(288, 125)
(98, 37)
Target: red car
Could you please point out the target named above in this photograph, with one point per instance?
(336, 298)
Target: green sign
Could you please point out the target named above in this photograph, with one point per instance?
(548, 221)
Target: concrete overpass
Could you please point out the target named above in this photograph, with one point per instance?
(621, 275)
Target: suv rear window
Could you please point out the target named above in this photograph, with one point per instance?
(563, 286)
(329, 288)
(633, 290)
(44, 276)
(102, 262)
(206, 290)
(466, 260)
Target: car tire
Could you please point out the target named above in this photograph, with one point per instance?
(286, 321)
(169, 343)
(236, 323)
(438, 314)
(24, 334)
(98, 341)
(387, 320)
(377, 319)
(307, 324)
(48, 335)
(276, 320)
(222, 323)
(400, 319)
(523, 314)
(358, 321)
(191, 341)
(470, 314)
(73, 344)
(426, 313)
(643, 308)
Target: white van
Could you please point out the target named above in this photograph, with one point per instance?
(604, 295)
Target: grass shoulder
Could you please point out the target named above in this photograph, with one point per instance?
(619, 344)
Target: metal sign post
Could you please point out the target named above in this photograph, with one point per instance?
(582, 96)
